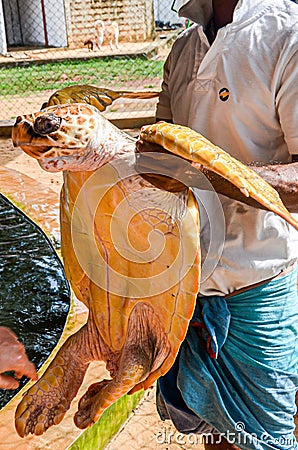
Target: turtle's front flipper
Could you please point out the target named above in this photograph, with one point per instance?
(189, 144)
(47, 401)
(145, 349)
(99, 97)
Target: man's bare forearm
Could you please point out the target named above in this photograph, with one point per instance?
(283, 177)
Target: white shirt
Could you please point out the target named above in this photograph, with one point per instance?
(253, 64)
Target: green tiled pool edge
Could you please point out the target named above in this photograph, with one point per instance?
(98, 436)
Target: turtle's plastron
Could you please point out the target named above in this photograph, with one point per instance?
(130, 256)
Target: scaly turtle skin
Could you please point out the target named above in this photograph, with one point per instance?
(135, 240)
(135, 327)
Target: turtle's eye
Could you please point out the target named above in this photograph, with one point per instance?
(18, 119)
(47, 124)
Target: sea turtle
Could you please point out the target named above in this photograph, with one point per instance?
(140, 296)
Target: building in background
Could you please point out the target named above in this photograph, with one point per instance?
(68, 23)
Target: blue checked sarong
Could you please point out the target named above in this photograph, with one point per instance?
(237, 369)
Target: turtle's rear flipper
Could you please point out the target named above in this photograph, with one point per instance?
(145, 349)
(47, 401)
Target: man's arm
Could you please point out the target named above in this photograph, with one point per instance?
(283, 177)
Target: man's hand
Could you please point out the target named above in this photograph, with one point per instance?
(154, 169)
(13, 358)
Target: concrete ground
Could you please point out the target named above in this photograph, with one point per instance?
(145, 431)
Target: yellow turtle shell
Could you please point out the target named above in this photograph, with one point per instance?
(115, 280)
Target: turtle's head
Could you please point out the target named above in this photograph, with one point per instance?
(59, 137)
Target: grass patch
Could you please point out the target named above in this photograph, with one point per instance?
(99, 71)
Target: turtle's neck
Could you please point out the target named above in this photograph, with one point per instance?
(108, 143)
